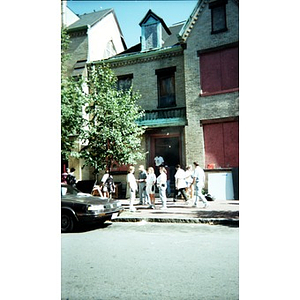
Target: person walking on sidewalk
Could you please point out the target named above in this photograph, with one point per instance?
(162, 186)
(150, 187)
(189, 181)
(132, 186)
(199, 181)
(180, 182)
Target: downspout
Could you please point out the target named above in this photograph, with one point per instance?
(88, 48)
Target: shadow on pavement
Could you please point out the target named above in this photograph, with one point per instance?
(81, 228)
(218, 214)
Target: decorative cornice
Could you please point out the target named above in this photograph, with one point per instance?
(142, 57)
(187, 28)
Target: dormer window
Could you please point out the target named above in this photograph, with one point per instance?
(152, 28)
(151, 34)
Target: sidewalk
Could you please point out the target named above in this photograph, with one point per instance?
(219, 212)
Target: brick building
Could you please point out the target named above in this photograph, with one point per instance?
(187, 75)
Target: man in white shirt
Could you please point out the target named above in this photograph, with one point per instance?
(199, 181)
(180, 182)
(132, 185)
(161, 183)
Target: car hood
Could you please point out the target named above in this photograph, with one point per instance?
(92, 200)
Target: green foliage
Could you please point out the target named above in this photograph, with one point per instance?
(65, 41)
(111, 134)
(72, 100)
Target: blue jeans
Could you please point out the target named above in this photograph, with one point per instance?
(162, 196)
(142, 191)
(199, 195)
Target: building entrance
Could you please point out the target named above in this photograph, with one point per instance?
(168, 146)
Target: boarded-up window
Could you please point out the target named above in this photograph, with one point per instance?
(219, 70)
(221, 144)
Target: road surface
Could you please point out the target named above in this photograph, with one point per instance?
(151, 261)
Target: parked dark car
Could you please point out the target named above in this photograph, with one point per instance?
(77, 207)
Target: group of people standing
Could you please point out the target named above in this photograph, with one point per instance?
(145, 184)
(184, 180)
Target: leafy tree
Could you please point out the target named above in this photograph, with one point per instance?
(65, 42)
(72, 100)
(110, 134)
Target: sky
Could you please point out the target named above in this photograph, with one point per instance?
(130, 13)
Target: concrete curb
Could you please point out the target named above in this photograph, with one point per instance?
(209, 221)
(219, 212)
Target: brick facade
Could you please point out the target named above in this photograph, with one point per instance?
(143, 66)
(195, 36)
(209, 107)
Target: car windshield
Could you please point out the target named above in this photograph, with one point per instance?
(69, 190)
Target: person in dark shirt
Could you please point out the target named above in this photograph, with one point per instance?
(142, 184)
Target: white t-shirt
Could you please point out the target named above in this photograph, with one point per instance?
(151, 178)
(162, 179)
(104, 177)
(132, 182)
(180, 181)
(199, 175)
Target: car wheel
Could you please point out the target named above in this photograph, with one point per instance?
(67, 222)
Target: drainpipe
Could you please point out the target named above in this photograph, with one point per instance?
(88, 36)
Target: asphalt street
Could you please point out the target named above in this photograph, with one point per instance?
(151, 261)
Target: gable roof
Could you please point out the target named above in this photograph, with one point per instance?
(89, 19)
(151, 13)
(170, 40)
(190, 22)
